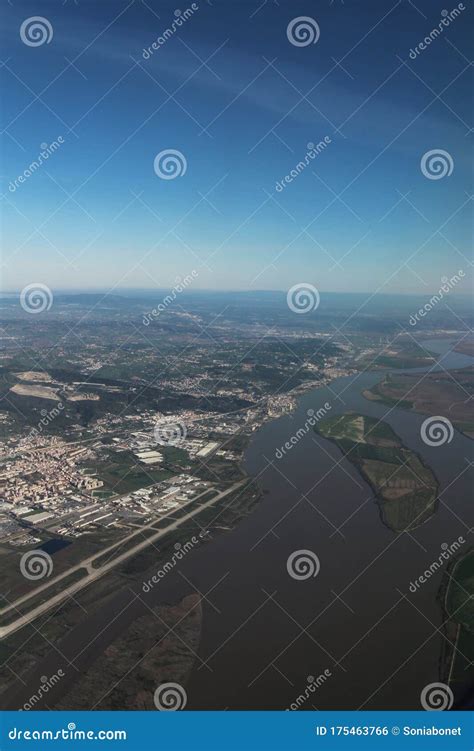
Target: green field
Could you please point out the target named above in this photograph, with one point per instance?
(122, 473)
(405, 488)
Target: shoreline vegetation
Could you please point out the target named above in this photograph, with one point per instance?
(446, 393)
(456, 596)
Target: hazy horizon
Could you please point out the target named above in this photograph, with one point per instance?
(124, 291)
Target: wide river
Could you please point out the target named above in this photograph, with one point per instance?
(264, 632)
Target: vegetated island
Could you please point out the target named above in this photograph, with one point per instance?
(406, 490)
(457, 595)
(448, 393)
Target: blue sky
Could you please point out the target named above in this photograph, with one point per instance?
(361, 217)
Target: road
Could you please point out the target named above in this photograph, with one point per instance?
(93, 575)
(87, 562)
